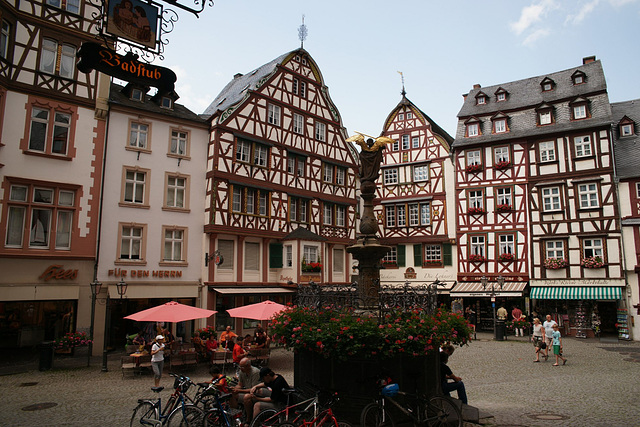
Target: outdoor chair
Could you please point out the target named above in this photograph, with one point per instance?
(128, 365)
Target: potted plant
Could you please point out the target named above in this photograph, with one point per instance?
(502, 165)
(206, 332)
(311, 267)
(71, 340)
(555, 263)
(476, 258)
(592, 262)
(476, 211)
(502, 208)
(474, 168)
(506, 257)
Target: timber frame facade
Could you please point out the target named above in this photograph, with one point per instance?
(281, 183)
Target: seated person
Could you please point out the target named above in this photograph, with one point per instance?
(211, 345)
(446, 374)
(261, 340)
(238, 351)
(248, 377)
(275, 382)
(197, 343)
(139, 339)
(247, 342)
(225, 335)
(169, 339)
(222, 384)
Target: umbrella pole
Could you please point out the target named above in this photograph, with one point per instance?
(107, 324)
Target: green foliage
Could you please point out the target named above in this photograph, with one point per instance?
(206, 331)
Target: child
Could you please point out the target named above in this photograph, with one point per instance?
(222, 384)
(557, 345)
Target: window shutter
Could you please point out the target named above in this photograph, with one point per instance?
(417, 255)
(275, 255)
(446, 254)
(401, 255)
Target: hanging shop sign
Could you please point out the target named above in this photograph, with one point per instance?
(94, 56)
(133, 20)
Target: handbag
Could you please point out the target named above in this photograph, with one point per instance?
(543, 345)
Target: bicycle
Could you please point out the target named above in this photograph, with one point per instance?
(436, 411)
(216, 406)
(176, 412)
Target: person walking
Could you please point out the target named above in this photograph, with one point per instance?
(538, 338)
(516, 313)
(548, 334)
(557, 345)
(157, 358)
(472, 318)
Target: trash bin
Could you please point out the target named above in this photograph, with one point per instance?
(46, 355)
(500, 330)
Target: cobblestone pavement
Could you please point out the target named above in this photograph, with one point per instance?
(597, 387)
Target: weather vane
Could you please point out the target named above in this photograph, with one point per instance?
(402, 78)
(302, 33)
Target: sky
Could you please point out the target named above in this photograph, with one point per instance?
(442, 48)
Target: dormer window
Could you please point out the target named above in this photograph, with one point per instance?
(545, 114)
(481, 99)
(579, 109)
(626, 127)
(499, 123)
(166, 102)
(578, 78)
(472, 127)
(136, 95)
(501, 95)
(547, 84)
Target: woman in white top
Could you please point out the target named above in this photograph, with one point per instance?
(157, 358)
(538, 337)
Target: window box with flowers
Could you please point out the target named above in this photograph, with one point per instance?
(592, 262)
(506, 257)
(70, 341)
(433, 262)
(312, 267)
(476, 211)
(475, 168)
(504, 208)
(477, 258)
(389, 264)
(502, 165)
(555, 263)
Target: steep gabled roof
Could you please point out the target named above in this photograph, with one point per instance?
(302, 233)
(627, 149)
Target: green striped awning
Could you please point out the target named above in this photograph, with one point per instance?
(576, 292)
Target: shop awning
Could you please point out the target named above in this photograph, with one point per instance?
(475, 289)
(576, 292)
(262, 291)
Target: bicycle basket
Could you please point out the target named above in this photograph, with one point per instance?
(181, 383)
(390, 390)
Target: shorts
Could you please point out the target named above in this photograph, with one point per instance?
(549, 341)
(157, 369)
(556, 350)
(537, 341)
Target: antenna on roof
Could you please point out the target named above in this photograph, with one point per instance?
(402, 77)
(302, 33)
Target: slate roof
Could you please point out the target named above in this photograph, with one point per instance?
(178, 111)
(527, 94)
(627, 149)
(302, 233)
(238, 88)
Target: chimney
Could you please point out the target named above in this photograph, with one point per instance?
(237, 75)
(477, 86)
(464, 96)
(588, 59)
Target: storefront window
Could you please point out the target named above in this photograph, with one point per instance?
(27, 323)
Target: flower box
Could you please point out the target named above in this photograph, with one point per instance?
(592, 262)
(311, 267)
(476, 211)
(388, 264)
(503, 208)
(555, 263)
(506, 257)
(474, 168)
(477, 258)
(71, 340)
(505, 164)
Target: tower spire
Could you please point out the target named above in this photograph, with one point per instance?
(302, 33)
(402, 78)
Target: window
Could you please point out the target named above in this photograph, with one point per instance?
(5, 36)
(260, 155)
(300, 166)
(582, 145)
(503, 196)
(500, 125)
(506, 244)
(547, 84)
(327, 217)
(414, 214)
(250, 201)
(49, 125)
(420, 173)
(578, 80)
(137, 94)
(299, 87)
(409, 115)
(244, 150)
(476, 199)
(405, 142)
(327, 175)
(132, 242)
(166, 102)
(425, 214)
(72, 6)
(44, 213)
(476, 245)
(179, 143)
(580, 111)
(226, 248)
(551, 199)
(138, 135)
(274, 114)
(57, 58)
(415, 142)
(174, 245)
(401, 212)
(555, 249)
(135, 187)
(338, 260)
(547, 151)
(473, 129)
(395, 146)
(501, 96)
(433, 253)
(176, 192)
(298, 123)
(340, 175)
(400, 116)
(501, 154)
(295, 164)
(310, 254)
(544, 117)
(341, 214)
(298, 209)
(588, 195)
(481, 100)
(321, 131)
(592, 248)
(288, 256)
(390, 216)
(473, 158)
(626, 130)
(390, 176)
(252, 256)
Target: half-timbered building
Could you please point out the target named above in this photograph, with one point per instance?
(52, 124)
(281, 198)
(626, 134)
(414, 200)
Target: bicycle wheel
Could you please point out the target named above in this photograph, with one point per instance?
(169, 406)
(266, 418)
(215, 418)
(186, 416)
(373, 415)
(143, 414)
(441, 411)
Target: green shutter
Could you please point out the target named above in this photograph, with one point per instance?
(417, 255)
(401, 255)
(275, 255)
(446, 254)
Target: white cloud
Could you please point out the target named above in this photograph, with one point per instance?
(532, 14)
(583, 12)
(535, 36)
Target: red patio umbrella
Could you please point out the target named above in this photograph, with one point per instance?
(171, 311)
(260, 311)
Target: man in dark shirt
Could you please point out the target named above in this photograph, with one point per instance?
(446, 374)
(276, 383)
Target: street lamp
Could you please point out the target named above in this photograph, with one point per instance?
(95, 290)
(485, 284)
(121, 287)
